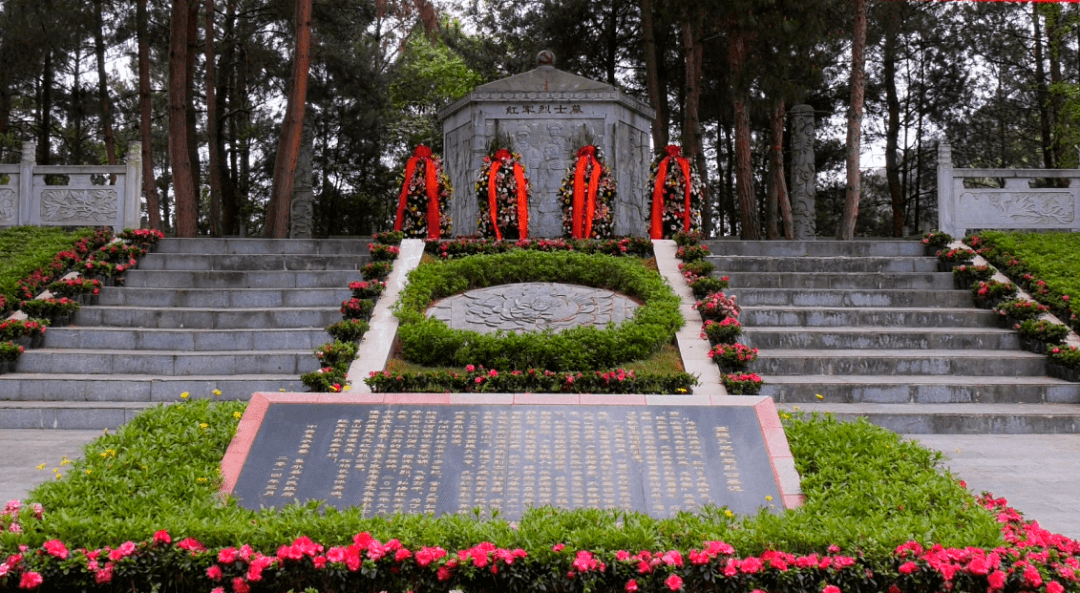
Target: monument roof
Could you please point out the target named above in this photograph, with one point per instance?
(544, 79)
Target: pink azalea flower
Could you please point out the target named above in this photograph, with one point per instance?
(673, 582)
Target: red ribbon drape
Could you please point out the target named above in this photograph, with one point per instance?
(584, 206)
(431, 188)
(656, 230)
(522, 199)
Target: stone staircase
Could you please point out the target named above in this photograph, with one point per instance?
(197, 315)
(875, 330)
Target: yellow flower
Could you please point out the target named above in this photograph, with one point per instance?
(237, 415)
(201, 480)
(729, 514)
(204, 425)
(347, 387)
(819, 396)
(184, 395)
(768, 497)
(58, 476)
(217, 392)
(64, 461)
(103, 455)
(88, 472)
(41, 467)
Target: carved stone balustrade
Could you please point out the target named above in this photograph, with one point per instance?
(1018, 205)
(29, 196)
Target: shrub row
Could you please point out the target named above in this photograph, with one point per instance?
(465, 246)
(480, 379)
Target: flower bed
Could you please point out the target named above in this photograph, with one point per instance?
(431, 342)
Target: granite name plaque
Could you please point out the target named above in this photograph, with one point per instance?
(439, 459)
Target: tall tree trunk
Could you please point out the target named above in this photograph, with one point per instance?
(1055, 40)
(103, 86)
(76, 154)
(212, 126)
(779, 178)
(179, 153)
(691, 123)
(189, 94)
(892, 129)
(611, 32)
(277, 221)
(45, 110)
(657, 91)
(239, 139)
(855, 115)
(743, 171)
(153, 208)
(230, 204)
(1041, 93)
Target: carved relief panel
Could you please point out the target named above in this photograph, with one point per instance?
(1016, 209)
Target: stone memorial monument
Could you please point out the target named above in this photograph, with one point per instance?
(543, 111)
(803, 173)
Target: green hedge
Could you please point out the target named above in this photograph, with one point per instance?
(431, 342)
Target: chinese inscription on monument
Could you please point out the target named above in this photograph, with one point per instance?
(447, 459)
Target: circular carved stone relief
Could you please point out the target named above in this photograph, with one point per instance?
(532, 306)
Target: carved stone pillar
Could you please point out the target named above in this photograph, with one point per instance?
(803, 175)
(302, 206)
(26, 180)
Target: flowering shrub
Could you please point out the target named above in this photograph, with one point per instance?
(936, 239)
(70, 253)
(702, 286)
(973, 273)
(725, 331)
(336, 353)
(102, 268)
(423, 204)
(13, 329)
(992, 291)
(742, 383)
(587, 194)
(380, 252)
(476, 378)
(692, 252)
(367, 289)
(465, 246)
(1066, 356)
(377, 270)
(955, 255)
(348, 330)
(389, 237)
(355, 308)
(503, 193)
(119, 252)
(733, 357)
(328, 379)
(144, 238)
(686, 239)
(1021, 309)
(1042, 330)
(676, 195)
(695, 269)
(49, 308)
(717, 306)
(10, 351)
(75, 287)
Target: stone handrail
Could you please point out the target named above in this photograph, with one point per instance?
(1015, 206)
(26, 199)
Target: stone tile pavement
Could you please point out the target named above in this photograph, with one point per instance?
(21, 451)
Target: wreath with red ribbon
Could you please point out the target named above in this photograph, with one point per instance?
(502, 195)
(676, 195)
(425, 194)
(587, 193)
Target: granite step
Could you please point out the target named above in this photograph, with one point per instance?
(874, 338)
(833, 280)
(816, 298)
(270, 262)
(979, 418)
(122, 338)
(241, 279)
(926, 389)
(779, 316)
(977, 363)
(60, 387)
(736, 263)
(167, 362)
(231, 318)
(245, 298)
(818, 248)
(256, 246)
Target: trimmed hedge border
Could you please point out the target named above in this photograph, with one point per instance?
(432, 343)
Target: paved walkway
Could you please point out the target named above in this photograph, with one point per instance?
(1038, 474)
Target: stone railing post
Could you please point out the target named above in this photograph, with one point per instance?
(132, 187)
(946, 214)
(26, 180)
(803, 174)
